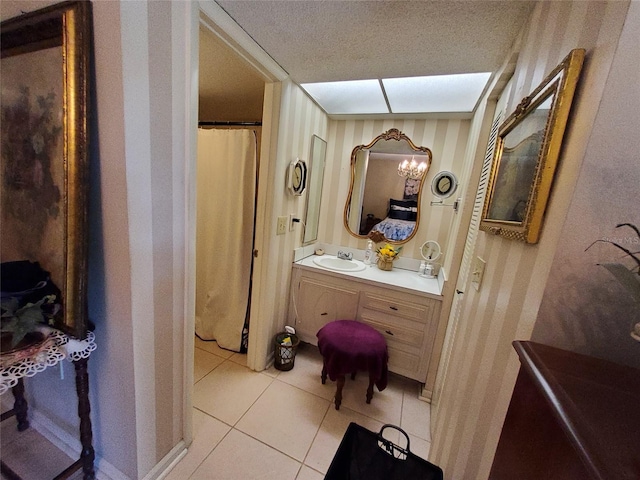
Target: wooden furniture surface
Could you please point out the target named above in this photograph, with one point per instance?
(407, 320)
(571, 416)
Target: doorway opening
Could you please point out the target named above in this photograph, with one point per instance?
(230, 104)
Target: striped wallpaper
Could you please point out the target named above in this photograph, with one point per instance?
(584, 308)
(447, 140)
(138, 250)
(300, 119)
(469, 413)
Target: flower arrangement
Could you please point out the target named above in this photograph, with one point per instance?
(386, 256)
(388, 251)
(628, 277)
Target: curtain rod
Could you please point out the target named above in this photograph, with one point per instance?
(244, 124)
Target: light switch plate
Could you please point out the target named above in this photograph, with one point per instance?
(477, 272)
(282, 225)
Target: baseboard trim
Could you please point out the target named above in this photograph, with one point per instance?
(71, 445)
(425, 394)
(170, 460)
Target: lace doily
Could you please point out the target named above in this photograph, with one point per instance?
(56, 347)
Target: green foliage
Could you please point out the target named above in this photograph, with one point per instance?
(22, 320)
(628, 278)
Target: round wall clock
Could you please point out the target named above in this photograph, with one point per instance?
(297, 176)
(444, 184)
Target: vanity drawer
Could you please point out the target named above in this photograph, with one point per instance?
(394, 307)
(395, 330)
(405, 363)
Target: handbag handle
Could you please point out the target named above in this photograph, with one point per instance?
(388, 425)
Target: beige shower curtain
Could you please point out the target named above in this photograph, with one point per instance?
(226, 189)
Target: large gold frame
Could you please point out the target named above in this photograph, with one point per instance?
(527, 153)
(391, 134)
(66, 25)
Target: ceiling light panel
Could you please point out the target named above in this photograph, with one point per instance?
(352, 97)
(441, 93)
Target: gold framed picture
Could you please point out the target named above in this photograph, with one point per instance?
(526, 155)
(45, 58)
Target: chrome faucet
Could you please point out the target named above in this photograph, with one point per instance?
(344, 255)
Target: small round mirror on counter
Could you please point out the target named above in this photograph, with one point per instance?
(430, 251)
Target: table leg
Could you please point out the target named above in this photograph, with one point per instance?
(340, 384)
(86, 437)
(370, 388)
(20, 406)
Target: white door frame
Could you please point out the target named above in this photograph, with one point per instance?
(213, 17)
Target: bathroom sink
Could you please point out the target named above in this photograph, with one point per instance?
(338, 264)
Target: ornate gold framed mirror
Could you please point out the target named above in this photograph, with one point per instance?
(44, 161)
(387, 178)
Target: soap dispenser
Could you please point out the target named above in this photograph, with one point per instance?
(368, 253)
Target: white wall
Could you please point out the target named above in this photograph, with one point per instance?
(137, 241)
(584, 309)
(483, 366)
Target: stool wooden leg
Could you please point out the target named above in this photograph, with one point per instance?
(370, 388)
(340, 384)
(20, 406)
(323, 376)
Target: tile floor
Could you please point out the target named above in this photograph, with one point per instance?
(283, 425)
(28, 453)
(266, 425)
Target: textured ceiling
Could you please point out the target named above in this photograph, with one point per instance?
(320, 40)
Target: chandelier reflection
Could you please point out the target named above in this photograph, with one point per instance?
(412, 169)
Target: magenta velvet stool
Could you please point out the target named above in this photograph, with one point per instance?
(348, 346)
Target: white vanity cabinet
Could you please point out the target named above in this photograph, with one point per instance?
(408, 319)
(318, 299)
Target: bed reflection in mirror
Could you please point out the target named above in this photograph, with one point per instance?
(387, 176)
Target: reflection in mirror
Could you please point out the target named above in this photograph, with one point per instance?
(386, 184)
(314, 191)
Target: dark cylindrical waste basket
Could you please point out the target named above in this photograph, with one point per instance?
(286, 345)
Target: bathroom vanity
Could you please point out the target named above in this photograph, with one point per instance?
(402, 306)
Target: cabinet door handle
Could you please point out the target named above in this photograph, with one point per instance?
(325, 313)
(389, 332)
(393, 308)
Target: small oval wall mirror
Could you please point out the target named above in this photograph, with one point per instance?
(386, 185)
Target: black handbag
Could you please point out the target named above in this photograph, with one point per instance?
(366, 455)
